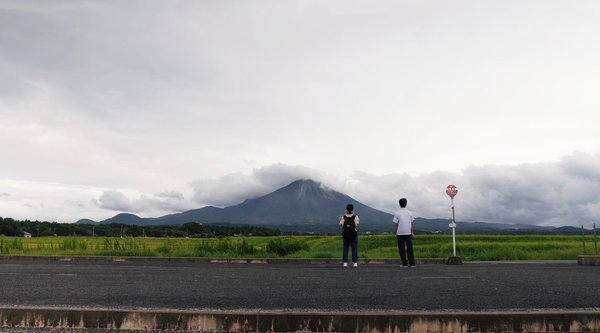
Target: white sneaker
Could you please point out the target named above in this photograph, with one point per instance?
(345, 264)
(355, 264)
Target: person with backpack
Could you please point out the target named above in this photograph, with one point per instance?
(349, 223)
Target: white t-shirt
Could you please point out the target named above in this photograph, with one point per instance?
(404, 219)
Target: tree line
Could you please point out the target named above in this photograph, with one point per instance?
(12, 227)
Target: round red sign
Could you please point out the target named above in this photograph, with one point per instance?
(451, 190)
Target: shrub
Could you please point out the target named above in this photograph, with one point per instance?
(4, 249)
(224, 246)
(286, 246)
(73, 243)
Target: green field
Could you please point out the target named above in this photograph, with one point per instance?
(469, 247)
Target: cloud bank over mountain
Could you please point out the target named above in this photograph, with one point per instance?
(566, 192)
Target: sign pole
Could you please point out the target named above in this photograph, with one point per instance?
(453, 228)
(451, 191)
(583, 238)
(595, 241)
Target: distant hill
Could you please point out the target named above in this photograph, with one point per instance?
(441, 225)
(568, 231)
(307, 206)
(125, 218)
(86, 221)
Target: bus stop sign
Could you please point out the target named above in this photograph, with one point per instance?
(451, 190)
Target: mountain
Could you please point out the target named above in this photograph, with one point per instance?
(441, 225)
(125, 218)
(86, 221)
(305, 206)
(568, 231)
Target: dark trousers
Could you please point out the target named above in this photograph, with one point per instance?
(405, 245)
(352, 243)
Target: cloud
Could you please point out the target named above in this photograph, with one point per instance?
(170, 195)
(581, 165)
(149, 205)
(168, 201)
(236, 187)
(48, 201)
(566, 192)
(381, 192)
(109, 97)
(95, 89)
(116, 200)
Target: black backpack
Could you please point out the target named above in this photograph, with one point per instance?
(349, 231)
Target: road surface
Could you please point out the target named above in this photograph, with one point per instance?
(300, 288)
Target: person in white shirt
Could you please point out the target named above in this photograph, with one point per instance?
(405, 232)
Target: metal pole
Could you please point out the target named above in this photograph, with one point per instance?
(595, 241)
(453, 229)
(583, 238)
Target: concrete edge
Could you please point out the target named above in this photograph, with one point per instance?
(557, 320)
(304, 311)
(524, 262)
(200, 260)
(293, 261)
(588, 260)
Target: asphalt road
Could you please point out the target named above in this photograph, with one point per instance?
(204, 286)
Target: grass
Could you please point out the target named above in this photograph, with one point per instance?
(469, 247)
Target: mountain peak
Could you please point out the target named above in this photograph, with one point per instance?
(124, 218)
(304, 182)
(86, 221)
(127, 215)
(307, 188)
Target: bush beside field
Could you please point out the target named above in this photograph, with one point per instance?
(469, 247)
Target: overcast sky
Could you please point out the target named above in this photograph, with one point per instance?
(155, 107)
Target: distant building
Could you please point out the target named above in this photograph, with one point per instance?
(26, 234)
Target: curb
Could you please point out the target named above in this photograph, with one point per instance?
(258, 321)
(197, 260)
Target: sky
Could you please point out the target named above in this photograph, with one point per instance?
(154, 107)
